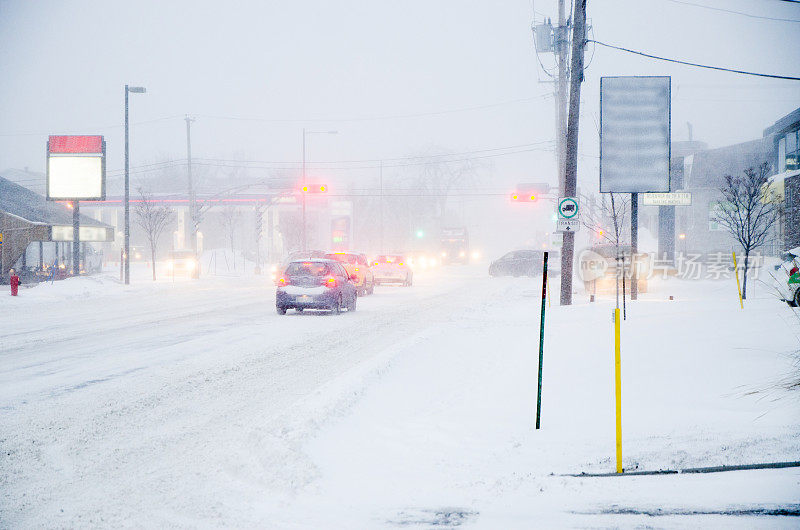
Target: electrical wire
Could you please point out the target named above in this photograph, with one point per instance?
(683, 2)
(266, 164)
(375, 118)
(772, 76)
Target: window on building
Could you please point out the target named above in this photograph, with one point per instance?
(792, 156)
(782, 154)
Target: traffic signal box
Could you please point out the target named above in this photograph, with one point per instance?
(530, 192)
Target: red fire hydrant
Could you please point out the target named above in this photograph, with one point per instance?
(13, 280)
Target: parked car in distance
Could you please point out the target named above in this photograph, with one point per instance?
(392, 268)
(357, 266)
(525, 263)
(315, 284)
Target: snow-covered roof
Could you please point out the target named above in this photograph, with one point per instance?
(29, 206)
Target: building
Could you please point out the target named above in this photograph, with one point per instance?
(35, 228)
(785, 137)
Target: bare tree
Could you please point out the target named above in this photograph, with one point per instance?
(747, 212)
(609, 222)
(230, 223)
(153, 218)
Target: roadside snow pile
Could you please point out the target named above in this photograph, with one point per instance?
(448, 428)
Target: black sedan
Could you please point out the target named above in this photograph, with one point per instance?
(524, 263)
(315, 284)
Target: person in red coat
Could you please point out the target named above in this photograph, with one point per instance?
(13, 280)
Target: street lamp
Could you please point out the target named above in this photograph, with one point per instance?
(305, 187)
(127, 253)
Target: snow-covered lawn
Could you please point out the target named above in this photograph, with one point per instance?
(194, 404)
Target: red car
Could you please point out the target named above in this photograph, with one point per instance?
(392, 268)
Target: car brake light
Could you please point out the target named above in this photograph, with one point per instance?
(283, 281)
(356, 269)
(793, 271)
(331, 282)
(401, 263)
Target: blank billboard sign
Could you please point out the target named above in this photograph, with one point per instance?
(76, 168)
(634, 134)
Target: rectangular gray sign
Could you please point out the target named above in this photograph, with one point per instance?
(634, 134)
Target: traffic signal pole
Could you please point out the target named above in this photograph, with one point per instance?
(571, 166)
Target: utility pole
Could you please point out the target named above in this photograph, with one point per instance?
(76, 230)
(571, 166)
(381, 208)
(561, 49)
(192, 198)
(127, 209)
(304, 188)
(634, 245)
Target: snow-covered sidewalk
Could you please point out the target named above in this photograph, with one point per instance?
(444, 434)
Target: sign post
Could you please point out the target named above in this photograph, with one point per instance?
(541, 342)
(618, 389)
(76, 170)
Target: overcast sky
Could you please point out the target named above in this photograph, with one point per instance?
(374, 69)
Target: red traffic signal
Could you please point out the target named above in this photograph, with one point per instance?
(523, 197)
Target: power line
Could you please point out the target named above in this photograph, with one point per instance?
(374, 118)
(104, 128)
(268, 164)
(733, 12)
(772, 76)
(385, 159)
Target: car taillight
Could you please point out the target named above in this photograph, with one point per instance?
(284, 281)
(793, 271)
(330, 282)
(356, 269)
(401, 263)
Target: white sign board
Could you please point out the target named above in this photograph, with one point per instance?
(76, 168)
(683, 198)
(568, 208)
(568, 225)
(75, 177)
(634, 134)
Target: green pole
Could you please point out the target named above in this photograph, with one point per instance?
(541, 342)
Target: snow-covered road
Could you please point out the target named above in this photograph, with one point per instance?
(179, 396)
(195, 404)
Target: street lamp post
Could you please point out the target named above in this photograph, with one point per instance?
(127, 245)
(304, 187)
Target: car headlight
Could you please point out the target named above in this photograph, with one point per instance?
(191, 264)
(461, 254)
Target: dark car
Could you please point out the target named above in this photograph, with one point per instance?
(315, 284)
(524, 263)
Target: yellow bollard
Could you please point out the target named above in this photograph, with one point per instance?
(549, 294)
(738, 285)
(618, 385)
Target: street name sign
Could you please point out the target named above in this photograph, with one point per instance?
(682, 198)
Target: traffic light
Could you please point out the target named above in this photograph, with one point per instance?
(314, 188)
(523, 197)
(529, 192)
